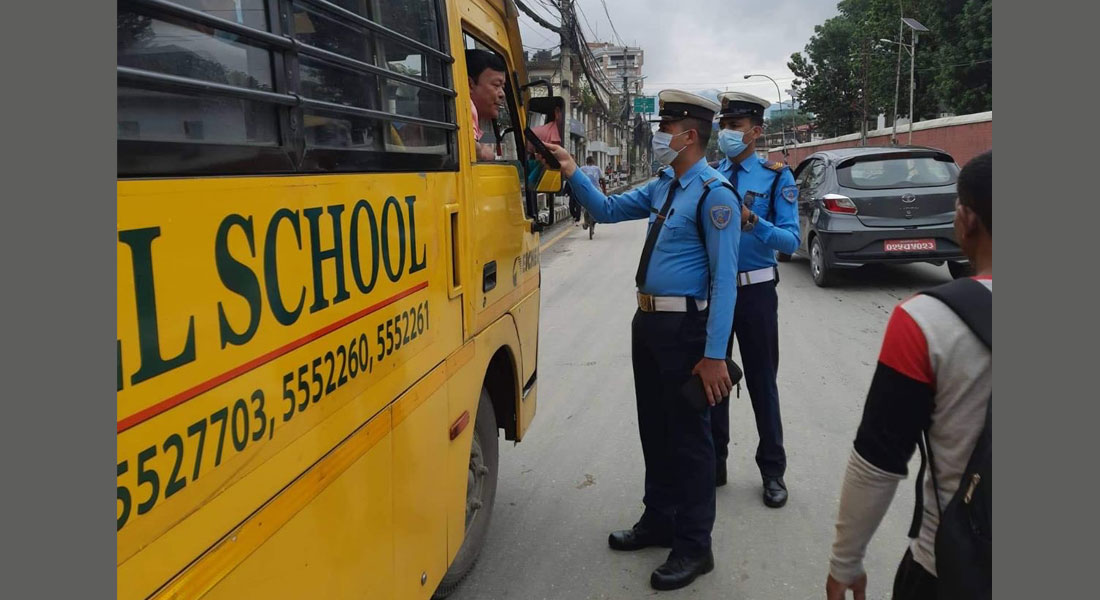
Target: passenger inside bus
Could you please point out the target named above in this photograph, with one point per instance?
(487, 78)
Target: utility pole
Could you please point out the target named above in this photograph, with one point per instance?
(566, 42)
(626, 114)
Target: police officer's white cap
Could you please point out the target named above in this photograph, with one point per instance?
(740, 104)
(676, 104)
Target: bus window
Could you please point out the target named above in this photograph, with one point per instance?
(365, 86)
(492, 101)
(373, 73)
(174, 47)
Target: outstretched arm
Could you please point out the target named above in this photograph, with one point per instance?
(634, 204)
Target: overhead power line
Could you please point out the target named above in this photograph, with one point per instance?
(966, 64)
(538, 19)
(612, 23)
(591, 29)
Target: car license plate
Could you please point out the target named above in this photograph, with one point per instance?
(909, 245)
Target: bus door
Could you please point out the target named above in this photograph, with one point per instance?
(504, 247)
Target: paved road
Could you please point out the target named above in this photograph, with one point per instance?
(578, 473)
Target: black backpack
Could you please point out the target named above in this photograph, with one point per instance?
(964, 539)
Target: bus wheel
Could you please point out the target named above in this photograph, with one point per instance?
(481, 491)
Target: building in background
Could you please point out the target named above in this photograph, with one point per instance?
(618, 61)
(597, 124)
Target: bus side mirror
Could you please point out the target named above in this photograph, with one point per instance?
(545, 123)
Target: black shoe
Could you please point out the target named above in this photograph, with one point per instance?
(637, 538)
(720, 474)
(679, 570)
(775, 492)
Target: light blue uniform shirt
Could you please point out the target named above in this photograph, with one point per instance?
(754, 183)
(681, 265)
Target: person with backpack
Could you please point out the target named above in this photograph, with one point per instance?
(932, 390)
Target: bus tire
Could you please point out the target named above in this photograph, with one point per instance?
(481, 491)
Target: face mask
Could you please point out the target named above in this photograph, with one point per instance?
(661, 149)
(731, 142)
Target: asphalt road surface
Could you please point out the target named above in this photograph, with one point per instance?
(577, 475)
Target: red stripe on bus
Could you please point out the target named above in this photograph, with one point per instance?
(174, 401)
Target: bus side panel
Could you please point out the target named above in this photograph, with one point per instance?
(242, 459)
(420, 519)
(355, 561)
(338, 545)
(467, 372)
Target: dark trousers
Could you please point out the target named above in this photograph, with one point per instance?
(574, 208)
(756, 325)
(913, 582)
(676, 439)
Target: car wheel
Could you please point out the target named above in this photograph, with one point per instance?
(959, 270)
(782, 257)
(481, 490)
(823, 277)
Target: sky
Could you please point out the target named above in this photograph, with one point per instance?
(698, 45)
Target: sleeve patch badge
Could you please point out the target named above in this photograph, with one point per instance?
(790, 193)
(720, 216)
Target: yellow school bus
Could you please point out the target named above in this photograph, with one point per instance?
(327, 306)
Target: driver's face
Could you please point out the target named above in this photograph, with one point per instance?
(488, 93)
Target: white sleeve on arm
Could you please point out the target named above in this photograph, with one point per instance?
(864, 499)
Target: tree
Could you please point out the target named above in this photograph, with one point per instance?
(786, 121)
(953, 72)
(963, 74)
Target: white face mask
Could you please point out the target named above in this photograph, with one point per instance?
(661, 149)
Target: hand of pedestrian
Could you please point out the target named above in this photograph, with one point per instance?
(716, 378)
(568, 165)
(834, 590)
(745, 212)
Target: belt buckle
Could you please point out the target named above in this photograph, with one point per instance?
(645, 302)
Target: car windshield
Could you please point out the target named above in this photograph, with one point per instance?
(898, 173)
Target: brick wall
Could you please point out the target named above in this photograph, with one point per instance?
(963, 140)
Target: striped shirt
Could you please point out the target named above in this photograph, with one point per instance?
(932, 372)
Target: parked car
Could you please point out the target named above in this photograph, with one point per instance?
(893, 204)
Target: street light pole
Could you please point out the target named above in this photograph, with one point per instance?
(912, 69)
(897, 86)
(915, 27)
(782, 131)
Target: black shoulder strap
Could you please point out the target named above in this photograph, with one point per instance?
(699, 210)
(973, 303)
(772, 198)
(703, 199)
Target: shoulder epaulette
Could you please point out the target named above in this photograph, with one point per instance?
(776, 166)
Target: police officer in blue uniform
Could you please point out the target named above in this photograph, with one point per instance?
(769, 223)
(686, 295)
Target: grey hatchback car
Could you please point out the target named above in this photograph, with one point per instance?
(893, 204)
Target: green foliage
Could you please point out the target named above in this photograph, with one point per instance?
(588, 98)
(786, 121)
(953, 67)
